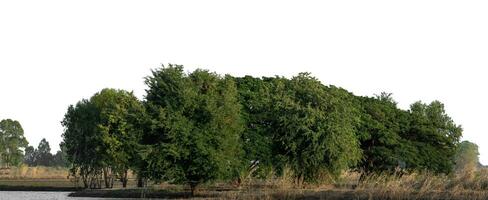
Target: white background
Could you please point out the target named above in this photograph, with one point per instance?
(53, 53)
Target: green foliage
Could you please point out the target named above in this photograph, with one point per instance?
(379, 132)
(200, 127)
(59, 159)
(120, 118)
(435, 136)
(12, 143)
(43, 154)
(82, 141)
(423, 138)
(298, 123)
(257, 138)
(30, 156)
(466, 157)
(103, 133)
(195, 128)
(313, 127)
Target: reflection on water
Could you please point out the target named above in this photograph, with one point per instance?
(14, 195)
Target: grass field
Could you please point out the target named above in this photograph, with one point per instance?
(25, 178)
(473, 185)
(24, 172)
(386, 186)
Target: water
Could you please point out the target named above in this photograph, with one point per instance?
(14, 195)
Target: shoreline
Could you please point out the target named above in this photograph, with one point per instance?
(38, 188)
(330, 194)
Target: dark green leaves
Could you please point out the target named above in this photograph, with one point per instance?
(200, 127)
(196, 126)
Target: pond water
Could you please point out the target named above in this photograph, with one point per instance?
(14, 195)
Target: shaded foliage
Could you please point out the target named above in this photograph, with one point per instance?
(42, 156)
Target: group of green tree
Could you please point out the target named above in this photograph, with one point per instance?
(15, 150)
(197, 127)
(12, 142)
(42, 156)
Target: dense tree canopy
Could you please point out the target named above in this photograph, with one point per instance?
(313, 127)
(256, 113)
(199, 127)
(101, 136)
(196, 126)
(298, 123)
(380, 130)
(435, 136)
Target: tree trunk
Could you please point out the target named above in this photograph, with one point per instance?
(85, 182)
(140, 181)
(111, 183)
(299, 180)
(193, 187)
(124, 179)
(105, 178)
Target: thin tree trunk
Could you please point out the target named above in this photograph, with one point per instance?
(124, 179)
(105, 177)
(193, 187)
(85, 181)
(140, 181)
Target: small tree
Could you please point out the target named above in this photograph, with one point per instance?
(30, 156)
(43, 154)
(466, 158)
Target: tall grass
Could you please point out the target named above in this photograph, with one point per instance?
(40, 172)
(468, 184)
(422, 185)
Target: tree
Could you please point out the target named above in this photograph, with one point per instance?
(435, 136)
(257, 138)
(120, 115)
(466, 158)
(379, 132)
(314, 127)
(30, 156)
(83, 143)
(195, 129)
(101, 136)
(423, 138)
(43, 154)
(12, 143)
(60, 158)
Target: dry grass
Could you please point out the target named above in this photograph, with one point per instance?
(421, 185)
(35, 178)
(25, 172)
